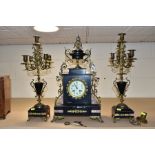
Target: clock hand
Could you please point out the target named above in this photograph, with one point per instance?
(75, 86)
(80, 90)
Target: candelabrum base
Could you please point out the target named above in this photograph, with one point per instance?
(121, 111)
(39, 110)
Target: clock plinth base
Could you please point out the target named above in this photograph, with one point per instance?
(94, 111)
(39, 110)
(121, 111)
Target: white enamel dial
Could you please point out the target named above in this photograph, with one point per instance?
(76, 88)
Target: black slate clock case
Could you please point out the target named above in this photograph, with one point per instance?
(77, 107)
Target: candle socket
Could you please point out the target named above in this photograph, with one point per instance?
(129, 55)
(132, 53)
(112, 55)
(36, 38)
(30, 58)
(49, 57)
(46, 56)
(25, 58)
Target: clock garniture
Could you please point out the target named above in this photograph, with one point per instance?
(121, 64)
(77, 88)
(37, 64)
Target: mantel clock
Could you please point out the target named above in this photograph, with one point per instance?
(77, 89)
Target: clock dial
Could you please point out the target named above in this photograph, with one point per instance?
(76, 89)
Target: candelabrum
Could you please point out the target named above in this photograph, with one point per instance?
(36, 64)
(121, 63)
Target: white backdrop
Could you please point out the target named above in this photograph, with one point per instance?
(142, 76)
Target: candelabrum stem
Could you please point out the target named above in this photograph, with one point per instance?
(39, 99)
(121, 99)
(38, 74)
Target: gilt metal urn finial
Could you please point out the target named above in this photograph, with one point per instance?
(78, 43)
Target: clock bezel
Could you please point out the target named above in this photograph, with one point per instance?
(84, 83)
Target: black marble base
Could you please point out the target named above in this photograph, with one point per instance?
(122, 111)
(93, 111)
(77, 110)
(39, 110)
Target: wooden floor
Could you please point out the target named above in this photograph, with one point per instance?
(19, 107)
